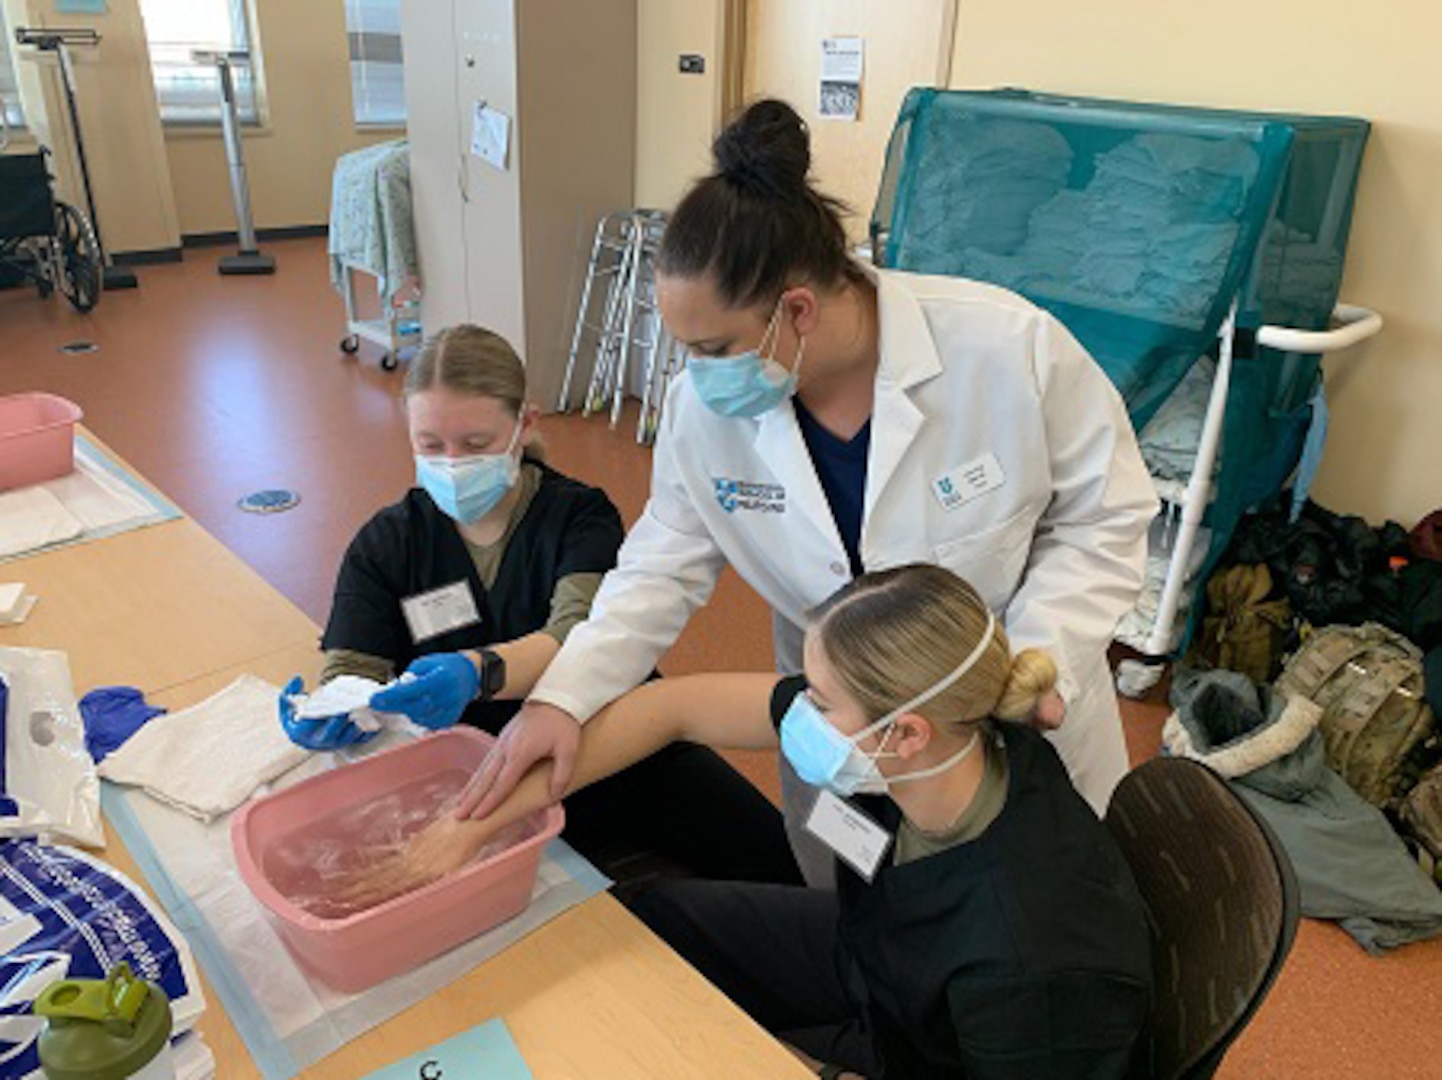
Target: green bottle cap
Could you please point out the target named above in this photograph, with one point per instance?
(102, 1029)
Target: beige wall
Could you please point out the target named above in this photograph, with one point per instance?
(123, 142)
(308, 124)
(907, 42)
(676, 115)
(1326, 56)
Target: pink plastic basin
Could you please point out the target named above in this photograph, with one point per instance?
(37, 439)
(368, 947)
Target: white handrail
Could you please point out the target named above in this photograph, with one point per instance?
(1353, 324)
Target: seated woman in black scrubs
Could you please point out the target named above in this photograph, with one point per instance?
(984, 925)
(488, 564)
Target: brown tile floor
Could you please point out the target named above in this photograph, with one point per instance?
(216, 387)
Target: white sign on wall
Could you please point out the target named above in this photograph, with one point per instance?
(842, 60)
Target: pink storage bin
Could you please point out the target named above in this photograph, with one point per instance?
(360, 950)
(37, 439)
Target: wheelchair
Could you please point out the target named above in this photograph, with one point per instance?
(43, 240)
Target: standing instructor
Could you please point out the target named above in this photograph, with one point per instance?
(835, 419)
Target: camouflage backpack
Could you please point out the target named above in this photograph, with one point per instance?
(1421, 817)
(1378, 728)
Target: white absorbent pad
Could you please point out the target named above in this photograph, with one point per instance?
(32, 518)
(208, 759)
(48, 786)
(66, 915)
(99, 498)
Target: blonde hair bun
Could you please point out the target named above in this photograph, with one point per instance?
(1033, 675)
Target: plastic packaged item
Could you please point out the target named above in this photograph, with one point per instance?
(388, 796)
(116, 1028)
(67, 916)
(48, 779)
(37, 439)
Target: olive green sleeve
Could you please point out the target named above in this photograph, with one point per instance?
(571, 604)
(350, 662)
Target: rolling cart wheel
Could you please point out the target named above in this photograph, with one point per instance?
(350, 344)
(389, 362)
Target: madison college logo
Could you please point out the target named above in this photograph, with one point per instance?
(736, 495)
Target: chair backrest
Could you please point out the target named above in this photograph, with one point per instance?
(1223, 907)
(26, 206)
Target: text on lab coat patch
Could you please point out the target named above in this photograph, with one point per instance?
(734, 495)
(967, 482)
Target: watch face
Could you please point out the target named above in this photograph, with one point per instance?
(493, 672)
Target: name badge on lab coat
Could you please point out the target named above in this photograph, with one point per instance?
(848, 832)
(431, 614)
(967, 482)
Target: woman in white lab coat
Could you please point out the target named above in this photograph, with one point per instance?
(834, 419)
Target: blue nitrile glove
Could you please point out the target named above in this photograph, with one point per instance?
(322, 733)
(444, 684)
(112, 714)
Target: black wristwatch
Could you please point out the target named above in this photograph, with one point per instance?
(493, 674)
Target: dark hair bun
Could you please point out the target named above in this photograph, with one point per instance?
(766, 150)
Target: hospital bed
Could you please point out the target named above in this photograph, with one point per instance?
(1196, 253)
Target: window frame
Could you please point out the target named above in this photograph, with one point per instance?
(356, 44)
(14, 120)
(247, 75)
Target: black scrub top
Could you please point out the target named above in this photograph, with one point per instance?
(412, 547)
(1020, 955)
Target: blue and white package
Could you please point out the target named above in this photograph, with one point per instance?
(50, 787)
(64, 914)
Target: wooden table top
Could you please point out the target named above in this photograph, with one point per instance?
(593, 993)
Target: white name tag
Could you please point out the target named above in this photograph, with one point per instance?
(440, 611)
(968, 482)
(848, 832)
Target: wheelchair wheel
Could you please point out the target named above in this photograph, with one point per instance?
(80, 268)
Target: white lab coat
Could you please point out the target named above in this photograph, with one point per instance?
(999, 450)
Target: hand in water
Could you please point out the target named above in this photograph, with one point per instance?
(539, 731)
(437, 851)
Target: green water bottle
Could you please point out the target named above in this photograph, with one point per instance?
(117, 1028)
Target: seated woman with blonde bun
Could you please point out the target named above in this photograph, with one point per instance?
(984, 923)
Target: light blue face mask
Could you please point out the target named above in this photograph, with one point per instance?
(747, 384)
(823, 757)
(468, 488)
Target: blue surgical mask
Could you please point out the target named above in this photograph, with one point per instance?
(747, 384)
(824, 757)
(468, 488)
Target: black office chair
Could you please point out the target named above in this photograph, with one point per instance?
(1223, 908)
